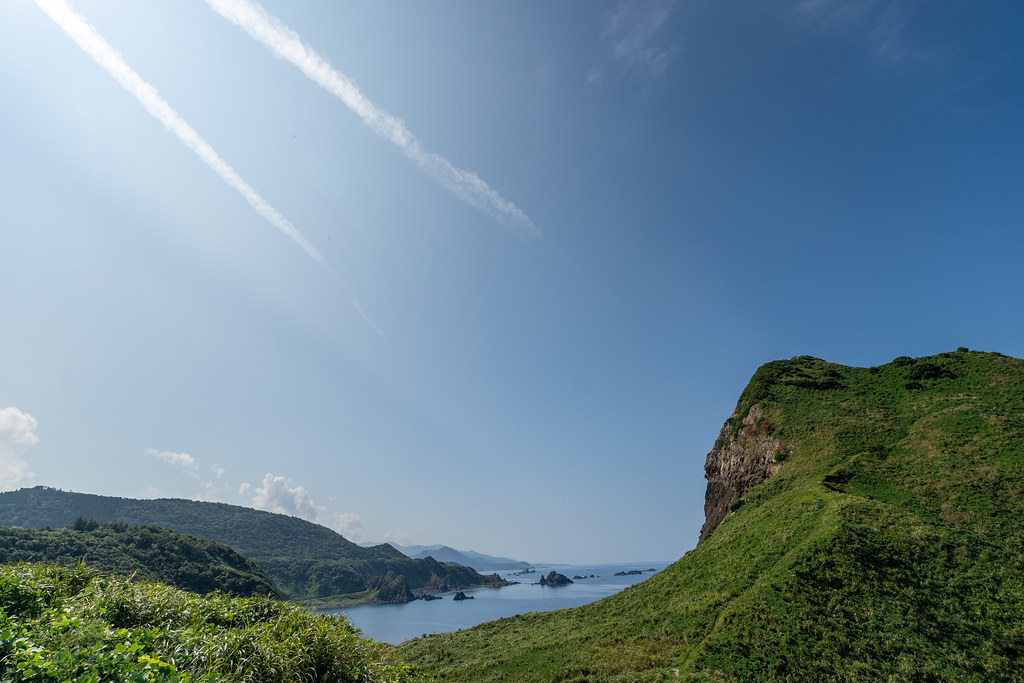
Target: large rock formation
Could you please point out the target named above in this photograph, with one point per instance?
(554, 579)
(743, 457)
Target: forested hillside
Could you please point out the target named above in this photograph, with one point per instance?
(885, 544)
(307, 562)
(148, 553)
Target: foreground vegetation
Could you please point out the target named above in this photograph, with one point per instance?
(68, 624)
(146, 552)
(308, 563)
(888, 547)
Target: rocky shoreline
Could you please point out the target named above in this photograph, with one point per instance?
(493, 581)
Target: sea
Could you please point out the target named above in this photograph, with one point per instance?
(397, 623)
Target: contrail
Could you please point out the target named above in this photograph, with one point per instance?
(359, 309)
(107, 57)
(286, 44)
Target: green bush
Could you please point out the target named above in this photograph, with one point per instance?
(69, 624)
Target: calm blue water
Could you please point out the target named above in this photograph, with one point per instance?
(397, 623)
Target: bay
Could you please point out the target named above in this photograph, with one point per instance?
(397, 623)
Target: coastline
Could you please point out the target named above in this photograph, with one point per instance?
(394, 623)
(368, 598)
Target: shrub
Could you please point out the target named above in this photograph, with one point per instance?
(67, 624)
(926, 370)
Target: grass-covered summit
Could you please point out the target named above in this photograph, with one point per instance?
(887, 544)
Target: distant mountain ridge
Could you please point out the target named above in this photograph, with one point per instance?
(468, 558)
(307, 562)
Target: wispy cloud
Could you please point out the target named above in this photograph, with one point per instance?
(633, 33)
(278, 494)
(107, 57)
(287, 44)
(835, 13)
(213, 488)
(366, 319)
(178, 459)
(17, 430)
(879, 24)
(885, 37)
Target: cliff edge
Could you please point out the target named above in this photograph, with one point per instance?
(863, 524)
(744, 455)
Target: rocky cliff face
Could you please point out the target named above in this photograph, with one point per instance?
(737, 464)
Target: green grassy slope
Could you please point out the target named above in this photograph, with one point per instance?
(66, 624)
(148, 553)
(307, 562)
(889, 546)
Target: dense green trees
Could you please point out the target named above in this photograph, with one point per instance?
(307, 562)
(146, 552)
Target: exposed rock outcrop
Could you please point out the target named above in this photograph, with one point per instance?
(739, 463)
(495, 581)
(554, 579)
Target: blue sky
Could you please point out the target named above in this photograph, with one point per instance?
(512, 316)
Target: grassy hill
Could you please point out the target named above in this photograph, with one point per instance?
(889, 545)
(148, 553)
(307, 562)
(67, 624)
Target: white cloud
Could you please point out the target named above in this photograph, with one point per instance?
(89, 39)
(277, 494)
(178, 459)
(348, 524)
(17, 431)
(288, 45)
(634, 35)
(212, 489)
(17, 428)
(207, 492)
